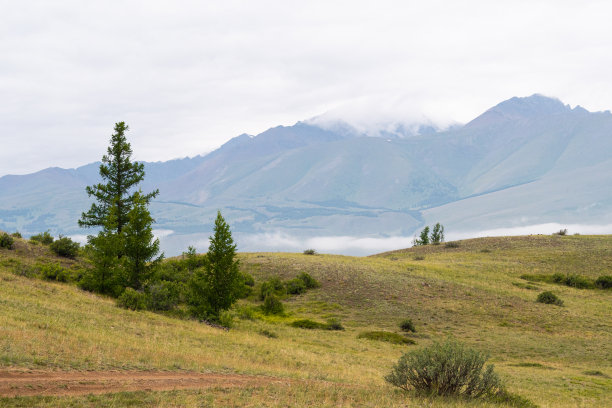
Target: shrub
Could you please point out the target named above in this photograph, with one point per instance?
(6, 241)
(163, 295)
(334, 324)
(419, 257)
(272, 305)
(65, 247)
(308, 324)
(53, 272)
(561, 232)
(452, 244)
(272, 286)
(604, 282)
(407, 325)
(577, 281)
(389, 337)
(295, 287)
(225, 319)
(549, 298)
(309, 281)
(269, 334)
(447, 368)
(132, 299)
(310, 251)
(16, 234)
(44, 238)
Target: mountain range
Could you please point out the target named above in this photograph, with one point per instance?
(525, 161)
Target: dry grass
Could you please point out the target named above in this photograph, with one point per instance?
(541, 351)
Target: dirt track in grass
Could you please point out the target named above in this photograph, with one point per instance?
(15, 383)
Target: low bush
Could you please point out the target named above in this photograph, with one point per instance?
(54, 272)
(65, 247)
(132, 299)
(44, 238)
(310, 251)
(549, 298)
(272, 286)
(16, 234)
(6, 241)
(334, 324)
(308, 324)
(163, 295)
(452, 244)
(309, 281)
(269, 334)
(389, 337)
(272, 305)
(295, 287)
(226, 319)
(419, 257)
(407, 326)
(446, 369)
(561, 232)
(604, 282)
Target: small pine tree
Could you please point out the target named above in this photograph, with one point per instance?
(217, 286)
(141, 248)
(437, 234)
(423, 237)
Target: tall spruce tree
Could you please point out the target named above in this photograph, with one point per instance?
(216, 286)
(120, 176)
(141, 247)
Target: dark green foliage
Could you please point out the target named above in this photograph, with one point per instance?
(604, 282)
(120, 176)
(272, 305)
(140, 247)
(216, 286)
(504, 397)
(65, 247)
(295, 286)
(269, 334)
(132, 299)
(596, 373)
(44, 238)
(309, 281)
(334, 324)
(226, 319)
(448, 368)
(561, 232)
(579, 282)
(271, 286)
(574, 281)
(389, 337)
(54, 272)
(407, 326)
(163, 295)
(308, 324)
(310, 252)
(437, 234)
(16, 234)
(6, 241)
(423, 237)
(549, 298)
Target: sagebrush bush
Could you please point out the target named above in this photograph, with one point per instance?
(310, 251)
(561, 232)
(549, 298)
(308, 324)
(604, 282)
(448, 368)
(389, 337)
(407, 325)
(309, 281)
(6, 241)
(44, 238)
(65, 247)
(452, 244)
(226, 319)
(132, 299)
(272, 305)
(295, 287)
(16, 234)
(334, 324)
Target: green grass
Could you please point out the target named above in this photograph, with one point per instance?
(389, 337)
(469, 292)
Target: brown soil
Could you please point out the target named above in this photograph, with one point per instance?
(28, 383)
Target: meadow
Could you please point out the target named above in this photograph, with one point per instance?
(471, 290)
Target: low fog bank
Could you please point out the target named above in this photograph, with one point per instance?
(283, 241)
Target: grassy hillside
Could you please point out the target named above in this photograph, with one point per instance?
(555, 356)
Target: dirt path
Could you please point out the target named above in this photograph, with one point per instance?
(28, 383)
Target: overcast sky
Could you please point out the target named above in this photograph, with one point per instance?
(189, 75)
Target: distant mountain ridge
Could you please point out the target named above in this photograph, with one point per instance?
(529, 159)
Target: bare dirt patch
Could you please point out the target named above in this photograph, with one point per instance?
(58, 383)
